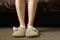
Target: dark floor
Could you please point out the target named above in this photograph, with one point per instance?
(45, 34)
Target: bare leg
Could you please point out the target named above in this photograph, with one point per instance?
(31, 31)
(32, 5)
(20, 8)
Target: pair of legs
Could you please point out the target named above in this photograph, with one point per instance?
(20, 7)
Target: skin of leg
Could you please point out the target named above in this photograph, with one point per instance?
(20, 8)
(32, 5)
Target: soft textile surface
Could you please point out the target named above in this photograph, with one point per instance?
(11, 3)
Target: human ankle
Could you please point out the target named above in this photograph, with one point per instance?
(22, 26)
(29, 26)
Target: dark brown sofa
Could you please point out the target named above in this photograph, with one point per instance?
(10, 4)
(47, 11)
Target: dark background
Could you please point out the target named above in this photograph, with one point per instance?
(47, 15)
(41, 19)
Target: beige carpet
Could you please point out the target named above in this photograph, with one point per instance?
(45, 34)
